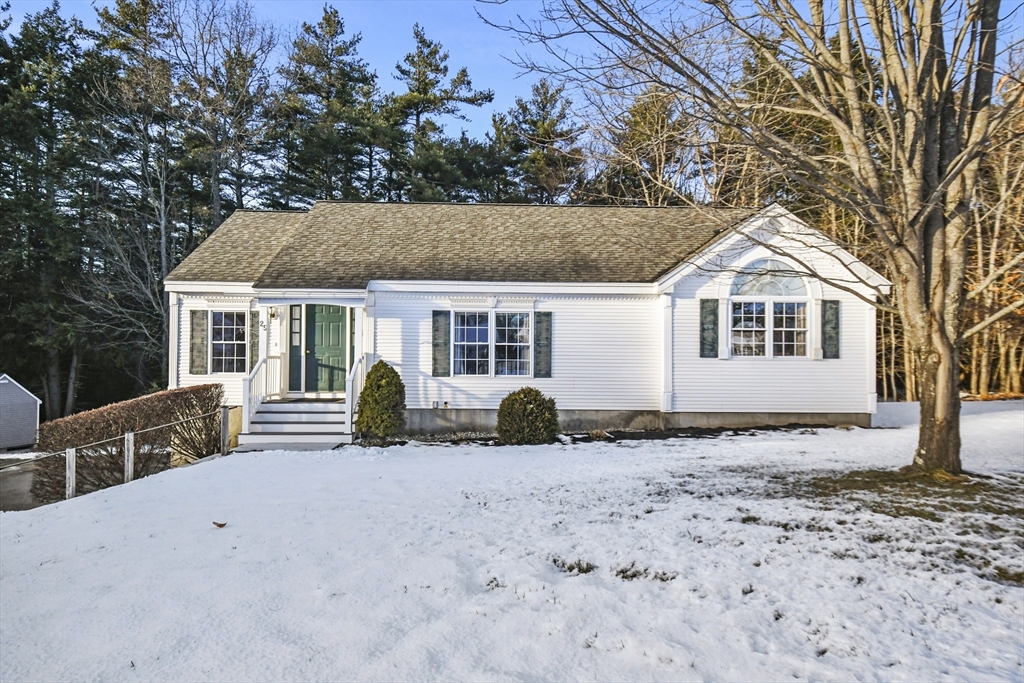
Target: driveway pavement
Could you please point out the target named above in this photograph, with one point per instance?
(16, 485)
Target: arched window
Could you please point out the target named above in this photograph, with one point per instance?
(764, 286)
(768, 277)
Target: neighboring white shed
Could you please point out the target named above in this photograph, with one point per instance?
(19, 414)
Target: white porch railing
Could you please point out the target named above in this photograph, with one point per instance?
(354, 387)
(263, 381)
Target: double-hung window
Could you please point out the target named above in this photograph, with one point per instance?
(769, 311)
(472, 347)
(228, 347)
(475, 344)
(511, 343)
(748, 328)
(789, 328)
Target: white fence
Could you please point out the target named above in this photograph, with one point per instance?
(126, 443)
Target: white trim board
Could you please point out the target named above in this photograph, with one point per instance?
(15, 382)
(210, 287)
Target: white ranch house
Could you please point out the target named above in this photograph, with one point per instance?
(627, 316)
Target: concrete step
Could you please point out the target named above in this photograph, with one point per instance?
(291, 442)
(303, 407)
(299, 417)
(336, 427)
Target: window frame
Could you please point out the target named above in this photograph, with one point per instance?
(730, 322)
(490, 343)
(769, 328)
(528, 344)
(808, 307)
(492, 336)
(245, 340)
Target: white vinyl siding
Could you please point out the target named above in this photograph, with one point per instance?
(605, 351)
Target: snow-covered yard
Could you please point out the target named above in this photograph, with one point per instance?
(741, 557)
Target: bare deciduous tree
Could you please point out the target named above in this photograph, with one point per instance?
(220, 52)
(906, 89)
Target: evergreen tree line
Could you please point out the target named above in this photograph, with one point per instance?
(125, 146)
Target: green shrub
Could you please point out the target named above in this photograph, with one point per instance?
(381, 402)
(527, 417)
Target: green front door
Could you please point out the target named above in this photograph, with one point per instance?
(326, 342)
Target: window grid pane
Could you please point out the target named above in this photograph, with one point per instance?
(789, 329)
(512, 344)
(471, 347)
(748, 328)
(228, 348)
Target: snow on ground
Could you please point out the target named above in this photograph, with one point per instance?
(20, 454)
(715, 560)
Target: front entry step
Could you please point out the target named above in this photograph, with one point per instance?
(294, 418)
(278, 427)
(303, 406)
(297, 425)
(291, 442)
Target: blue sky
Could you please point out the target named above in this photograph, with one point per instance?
(386, 26)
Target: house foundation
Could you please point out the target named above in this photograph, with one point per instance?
(447, 420)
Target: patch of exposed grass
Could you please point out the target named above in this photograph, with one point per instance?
(903, 493)
(576, 567)
(977, 520)
(631, 572)
(973, 521)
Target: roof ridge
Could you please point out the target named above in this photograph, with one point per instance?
(529, 205)
(244, 210)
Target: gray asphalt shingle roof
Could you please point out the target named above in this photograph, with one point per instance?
(345, 245)
(241, 248)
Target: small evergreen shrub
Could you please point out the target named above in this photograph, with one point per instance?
(527, 417)
(381, 402)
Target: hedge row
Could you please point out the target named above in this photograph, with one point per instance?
(102, 465)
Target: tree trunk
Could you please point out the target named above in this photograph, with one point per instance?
(909, 370)
(239, 191)
(53, 392)
(165, 336)
(1015, 367)
(938, 444)
(984, 365)
(69, 403)
(215, 209)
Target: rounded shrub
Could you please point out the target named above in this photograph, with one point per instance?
(527, 417)
(381, 402)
